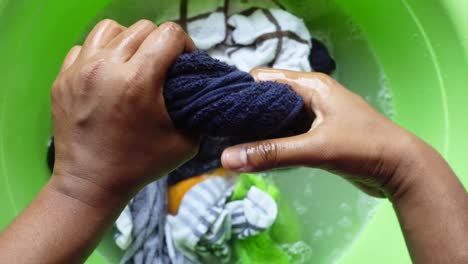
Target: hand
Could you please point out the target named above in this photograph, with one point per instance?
(112, 131)
(348, 137)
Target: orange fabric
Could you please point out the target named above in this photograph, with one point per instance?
(177, 191)
(218, 172)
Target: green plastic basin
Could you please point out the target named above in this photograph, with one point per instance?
(416, 48)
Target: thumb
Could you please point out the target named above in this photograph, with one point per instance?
(273, 153)
(309, 85)
(291, 78)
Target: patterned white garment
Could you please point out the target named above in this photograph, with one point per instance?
(206, 221)
(124, 224)
(252, 39)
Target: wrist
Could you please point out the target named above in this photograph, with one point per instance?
(420, 171)
(430, 203)
(87, 192)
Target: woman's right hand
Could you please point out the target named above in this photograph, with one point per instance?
(348, 137)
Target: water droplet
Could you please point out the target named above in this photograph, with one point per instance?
(345, 207)
(344, 222)
(301, 209)
(298, 253)
(318, 234)
(308, 189)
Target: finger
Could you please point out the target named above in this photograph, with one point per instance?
(70, 58)
(306, 149)
(313, 87)
(128, 42)
(369, 190)
(162, 47)
(104, 32)
(282, 76)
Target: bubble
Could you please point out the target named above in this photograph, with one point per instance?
(318, 234)
(344, 222)
(298, 253)
(301, 209)
(308, 189)
(345, 207)
(385, 97)
(366, 206)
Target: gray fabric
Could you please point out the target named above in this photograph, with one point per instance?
(207, 221)
(149, 209)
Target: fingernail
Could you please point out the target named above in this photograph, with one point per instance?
(235, 158)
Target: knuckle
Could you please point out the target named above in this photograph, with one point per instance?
(57, 90)
(133, 88)
(265, 155)
(90, 74)
(322, 76)
(173, 27)
(75, 48)
(133, 80)
(145, 22)
(108, 25)
(54, 89)
(107, 22)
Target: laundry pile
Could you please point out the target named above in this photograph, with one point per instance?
(213, 214)
(260, 37)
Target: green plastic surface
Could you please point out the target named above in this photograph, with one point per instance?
(421, 45)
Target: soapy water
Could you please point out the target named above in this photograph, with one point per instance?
(298, 253)
(331, 212)
(385, 98)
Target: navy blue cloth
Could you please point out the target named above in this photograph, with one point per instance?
(208, 97)
(226, 107)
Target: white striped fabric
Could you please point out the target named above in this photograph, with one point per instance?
(257, 212)
(206, 222)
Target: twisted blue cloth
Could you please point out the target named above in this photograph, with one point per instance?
(208, 97)
(225, 106)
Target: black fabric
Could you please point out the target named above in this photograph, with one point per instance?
(320, 59)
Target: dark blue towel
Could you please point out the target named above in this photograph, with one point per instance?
(208, 97)
(226, 107)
